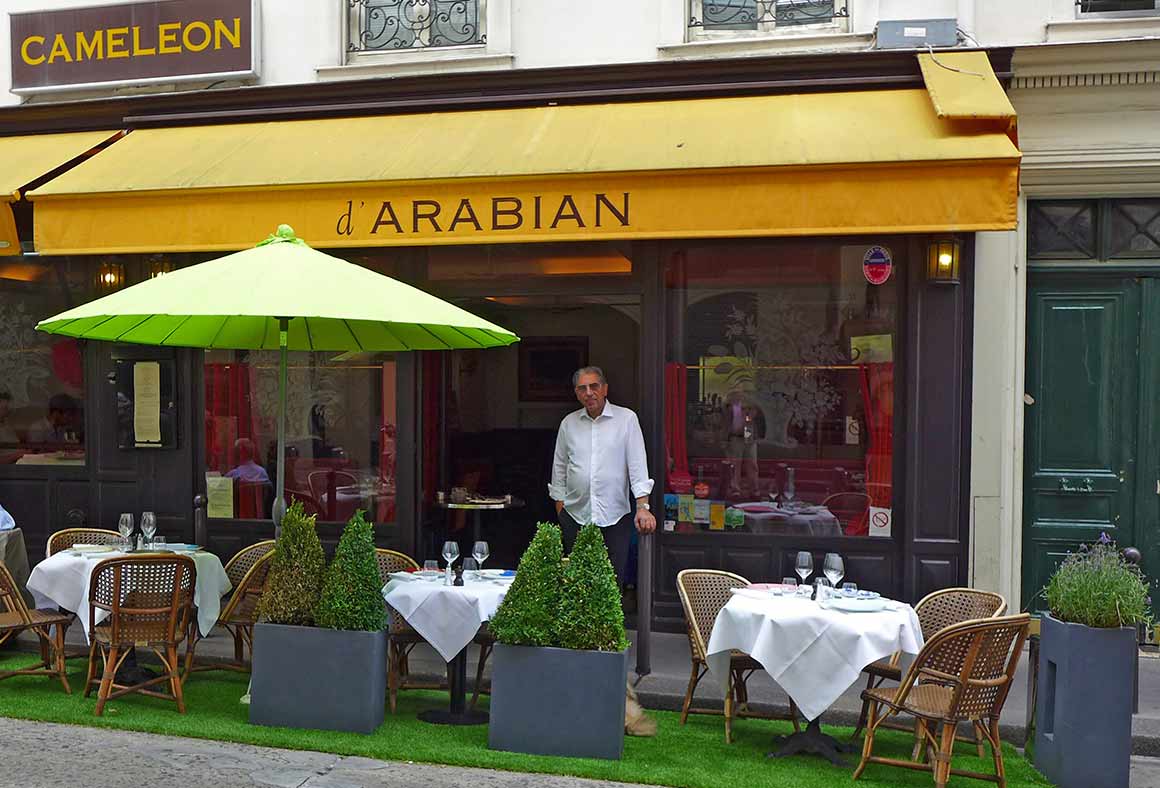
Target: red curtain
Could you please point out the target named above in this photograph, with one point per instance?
(227, 398)
(676, 444)
(878, 398)
(432, 386)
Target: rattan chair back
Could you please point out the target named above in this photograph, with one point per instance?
(948, 606)
(393, 561)
(244, 560)
(976, 660)
(13, 609)
(243, 605)
(149, 598)
(703, 593)
(62, 540)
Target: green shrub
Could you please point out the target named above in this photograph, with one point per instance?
(590, 613)
(528, 614)
(351, 593)
(295, 579)
(1097, 587)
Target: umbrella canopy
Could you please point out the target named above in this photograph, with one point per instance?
(280, 295)
(236, 302)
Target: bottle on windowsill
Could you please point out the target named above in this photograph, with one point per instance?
(701, 488)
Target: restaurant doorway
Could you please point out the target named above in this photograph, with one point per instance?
(490, 417)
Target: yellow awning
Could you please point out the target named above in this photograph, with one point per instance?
(809, 164)
(25, 159)
(962, 86)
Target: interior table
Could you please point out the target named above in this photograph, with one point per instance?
(14, 556)
(813, 651)
(478, 508)
(448, 617)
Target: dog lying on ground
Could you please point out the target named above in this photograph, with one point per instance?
(636, 722)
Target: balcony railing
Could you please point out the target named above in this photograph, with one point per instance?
(395, 25)
(759, 15)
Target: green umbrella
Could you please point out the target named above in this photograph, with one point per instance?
(284, 295)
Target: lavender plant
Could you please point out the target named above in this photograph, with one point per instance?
(1097, 587)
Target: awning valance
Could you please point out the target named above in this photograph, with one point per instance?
(26, 159)
(821, 163)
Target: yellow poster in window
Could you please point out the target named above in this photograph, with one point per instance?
(872, 349)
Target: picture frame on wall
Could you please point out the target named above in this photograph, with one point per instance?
(546, 365)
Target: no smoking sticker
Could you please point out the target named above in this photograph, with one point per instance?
(880, 521)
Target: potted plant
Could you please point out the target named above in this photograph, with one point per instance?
(1087, 653)
(560, 646)
(320, 652)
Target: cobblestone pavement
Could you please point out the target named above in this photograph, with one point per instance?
(44, 755)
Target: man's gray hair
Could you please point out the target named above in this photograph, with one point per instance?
(597, 371)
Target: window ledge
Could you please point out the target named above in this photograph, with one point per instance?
(1073, 30)
(424, 61)
(767, 45)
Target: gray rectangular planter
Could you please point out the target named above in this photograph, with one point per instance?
(1083, 709)
(308, 677)
(558, 701)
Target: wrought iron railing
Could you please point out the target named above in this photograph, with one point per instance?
(712, 15)
(393, 25)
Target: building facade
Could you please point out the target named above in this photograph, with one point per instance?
(746, 212)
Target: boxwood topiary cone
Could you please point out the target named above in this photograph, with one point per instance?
(591, 616)
(528, 614)
(295, 579)
(351, 593)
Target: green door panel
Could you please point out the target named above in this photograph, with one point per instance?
(1081, 420)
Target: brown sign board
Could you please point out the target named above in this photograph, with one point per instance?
(134, 43)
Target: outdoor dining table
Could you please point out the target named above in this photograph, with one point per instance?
(448, 617)
(62, 580)
(477, 508)
(813, 651)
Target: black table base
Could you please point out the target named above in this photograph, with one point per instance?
(811, 741)
(458, 713)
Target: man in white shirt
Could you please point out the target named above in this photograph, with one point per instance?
(600, 471)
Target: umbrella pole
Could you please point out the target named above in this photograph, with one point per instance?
(280, 492)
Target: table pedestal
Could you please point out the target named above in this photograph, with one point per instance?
(458, 714)
(810, 741)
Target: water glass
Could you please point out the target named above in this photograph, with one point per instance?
(850, 590)
(833, 569)
(148, 526)
(431, 565)
(789, 586)
(470, 568)
(450, 555)
(158, 542)
(822, 589)
(125, 528)
(480, 551)
(804, 565)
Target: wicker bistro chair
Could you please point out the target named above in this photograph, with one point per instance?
(703, 593)
(963, 673)
(49, 628)
(62, 540)
(149, 600)
(247, 571)
(936, 611)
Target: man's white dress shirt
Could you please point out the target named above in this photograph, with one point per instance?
(597, 463)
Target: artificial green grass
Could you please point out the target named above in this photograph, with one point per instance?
(692, 756)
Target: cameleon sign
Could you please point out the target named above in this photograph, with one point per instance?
(135, 43)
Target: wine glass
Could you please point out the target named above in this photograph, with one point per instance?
(125, 528)
(480, 551)
(804, 565)
(148, 526)
(450, 552)
(833, 569)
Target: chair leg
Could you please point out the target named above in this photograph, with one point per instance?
(175, 678)
(694, 679)
(865, 710)
(392, 675)
(794, 715)
(58, 657)
(978, 729)
(484, 653)
(190, 648)
(93, 650)
(239, 650)
(919, 752)
(997, 753)
(946, 749)
(871, 710)
(729, 708)
(107, 680)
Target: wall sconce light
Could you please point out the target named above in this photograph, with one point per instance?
(159, 266)
(942, 261)
(110, 276)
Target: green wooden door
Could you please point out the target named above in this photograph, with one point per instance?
(1082, 440)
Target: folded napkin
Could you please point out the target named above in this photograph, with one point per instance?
(750, 593)
(764, 586)
(406, 577)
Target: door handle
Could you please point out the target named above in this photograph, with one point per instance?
(1085, 487)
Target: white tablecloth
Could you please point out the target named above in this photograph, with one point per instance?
(446, 616)
(813, 653)
(63, 581)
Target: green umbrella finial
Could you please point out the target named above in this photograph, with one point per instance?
(284, 234)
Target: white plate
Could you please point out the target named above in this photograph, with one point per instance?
(428, 574)
(847, 605)
(493, 572)
(79, 549)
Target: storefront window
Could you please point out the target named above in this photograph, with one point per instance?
(340, 434)
(779, 389)
(41, 376)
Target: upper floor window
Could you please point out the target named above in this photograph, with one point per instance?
(708, 16)
(394, 25)
(1118, 7)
